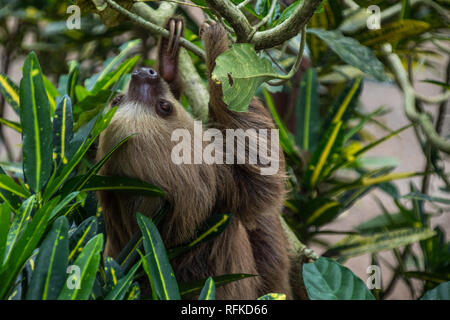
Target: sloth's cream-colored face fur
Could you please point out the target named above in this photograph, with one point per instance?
(150, 111)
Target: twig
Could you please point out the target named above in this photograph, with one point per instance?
(155, 28)
(243, 4)
(297, 63)
(177, 2)
(433, 100)
(422, 119)
(267, 17)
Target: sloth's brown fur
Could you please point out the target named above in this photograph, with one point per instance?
(253, 243)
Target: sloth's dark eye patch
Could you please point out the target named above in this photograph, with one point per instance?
(117, 100)
(164, 108)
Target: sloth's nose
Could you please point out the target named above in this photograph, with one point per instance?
(147, 74)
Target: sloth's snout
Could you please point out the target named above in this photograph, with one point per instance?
(146, 74)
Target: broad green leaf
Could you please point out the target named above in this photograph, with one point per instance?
(134, 293)
(10, 191)
(111, 78)
(319, 159)
(100, 124)
(52, 93)
(209, 290)
(355, 245)
(5, 216)
(320, 211)
(81, 236)
(10, 92)
(18, 225)
(441, 292)
(11, 124)
(308, 115)
(25, 246)
(36, 125)
(240, 72)
(62, 205)
(383, 222)
(62, 129)
(111, 64)
(287, 144)
(49, 275)
(74, 73)
(88, 262)
(161, 273)
(352, 52)
(326, 279)
(425, 197)
(113, 273)
(392, 32)
(209, 229)
(195, 287)
(123, 285)
(273, 296)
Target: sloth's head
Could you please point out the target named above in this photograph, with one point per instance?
(149, 92)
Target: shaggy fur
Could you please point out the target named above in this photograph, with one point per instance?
(254, 242)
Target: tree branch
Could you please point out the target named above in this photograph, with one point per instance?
(155, 29)
(421, 119)
(288, 28)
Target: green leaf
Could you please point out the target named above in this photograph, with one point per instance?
(352, 52)
(441, 292)
(320, 211)
(18, 225)
(11, 191)
(425, 197)
(36, 125)
(5, 216)
(81, 236)
(113, 273)
(326, 279)
(355, 245)
(195, 287)
(123, 285)
(383, 222)
(134, 293)
(11, 124)
(10, 92)
(287, 144)
(100, 124)
(49, 274)
(210, 229)
(74, 73)
(308, 115)
(111, 64)
(209, 290)
(25, 246)
(111, 78)
(273, 296)
(161, 273)
(62, 129)
(241, 72)
(88, 262)
(59, 208)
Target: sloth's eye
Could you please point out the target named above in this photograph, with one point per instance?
(164, 108)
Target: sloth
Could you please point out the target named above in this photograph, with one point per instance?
(254, 242)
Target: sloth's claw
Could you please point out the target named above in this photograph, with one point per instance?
(176, 42)
(172, 33)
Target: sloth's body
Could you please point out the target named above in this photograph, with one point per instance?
(254, 242)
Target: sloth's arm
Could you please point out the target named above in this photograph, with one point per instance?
(251, 193)
(168, 51)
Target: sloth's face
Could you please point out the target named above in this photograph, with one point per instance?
(148, 90)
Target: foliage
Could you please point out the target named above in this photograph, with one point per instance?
(52, 233)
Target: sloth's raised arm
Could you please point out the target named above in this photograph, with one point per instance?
(251, 192)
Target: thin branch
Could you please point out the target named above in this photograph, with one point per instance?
(288, 28)
(267, 17)
(182, 3)
(243, 4)
(297, 63)
(155, 29)
(422, 119)
(234, 17)
(433, 100)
